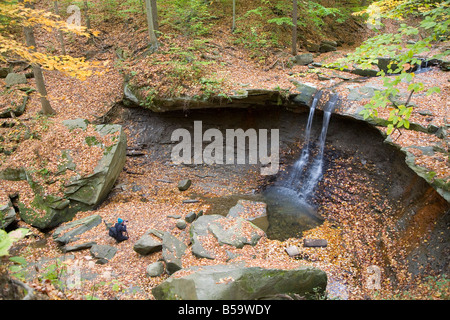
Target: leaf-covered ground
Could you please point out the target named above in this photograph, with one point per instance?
(225, 67)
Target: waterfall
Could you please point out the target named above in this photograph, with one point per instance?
(315, 172)
(287, 199)
(304, 184)
(297, 169)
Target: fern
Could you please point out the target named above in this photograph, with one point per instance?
(257, 11)
(281, 21)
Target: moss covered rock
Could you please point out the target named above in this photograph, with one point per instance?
(81, 191)
(232, 282)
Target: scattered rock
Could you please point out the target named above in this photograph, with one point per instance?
(303, 59)
(315, 242)
(15, 78)
(233, 282)
(183, 185)
(16, 111)
(360, 93)
(103, 253)
(385, 64)
(155, 269)
(445, 65)
(329, 42)
(174, 216)
(172, 252)
(4, 71)
(365, 72)
(181, 224)
(425, 113)
(190, 217)
(190, 201)
(147, 244)
(292, 251)
(322, 77)
(431, 128)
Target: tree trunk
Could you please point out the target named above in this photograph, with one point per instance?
(60, 34)
(155, 15)
(151, 30)
(86, 13)
(38, 76)
(294, 28)
(233, 27)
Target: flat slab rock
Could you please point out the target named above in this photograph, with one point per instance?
(236, 282)
(315, 242)
(236, 232)
(69, 232)
(103, 253)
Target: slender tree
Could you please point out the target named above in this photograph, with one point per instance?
(86, 13)
(23, 15)
(38, 76)
(151, 29)
(60, 34)
(155, 15)
(294, 28)
(233, 27)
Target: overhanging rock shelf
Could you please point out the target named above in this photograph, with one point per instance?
(299, 101)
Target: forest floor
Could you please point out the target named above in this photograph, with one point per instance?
(226, 67)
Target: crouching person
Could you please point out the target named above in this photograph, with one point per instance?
(119, 231)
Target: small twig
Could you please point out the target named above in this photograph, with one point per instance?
(400, 133)
(409, 98)
(273, 64)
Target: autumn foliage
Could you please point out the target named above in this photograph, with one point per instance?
(17, 15)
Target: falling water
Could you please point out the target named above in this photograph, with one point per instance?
(297, 169)
(287, 200)
(422, 67)
(315, 172)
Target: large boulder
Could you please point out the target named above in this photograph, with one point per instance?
(232, 282)
(235, 232)
(15, 78)
(172, 252)
(303, 59)
(81, 192)
(93, 189)
(312, 47)
(172, 248)
(147, 244)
